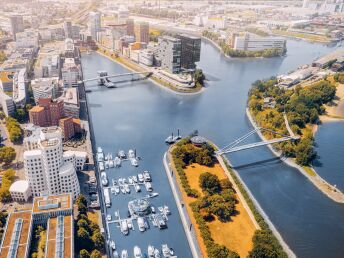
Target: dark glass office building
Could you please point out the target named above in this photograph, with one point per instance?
(190, 51)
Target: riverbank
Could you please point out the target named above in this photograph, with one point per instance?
(326, 188)
(302, 36)
(335, 110)
(157, 81)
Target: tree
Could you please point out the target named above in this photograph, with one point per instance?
(84, 254)
(199, 77)
(83, 234)
(81, 199)
(209, 183)
(95, 254)
(7, 154)
(82, 209)
(98, 239)
(83, 224)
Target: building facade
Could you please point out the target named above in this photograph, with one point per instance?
(141, 31)
(17, 25)
(251, 42)
(169, 53)
(94, 24)
(190, 51)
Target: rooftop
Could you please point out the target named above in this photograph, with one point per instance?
(23, 232)
(52, 203)
(37, 109)
(20, 186)
(6, 76)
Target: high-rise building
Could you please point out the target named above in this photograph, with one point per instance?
(130, 27)
(67, 26)
(17, 25)
(190, 51)
(169, 53)
(48, 112)
(141, 31)
(94, 24)
(46, 168)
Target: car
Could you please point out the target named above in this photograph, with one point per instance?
(108, 217)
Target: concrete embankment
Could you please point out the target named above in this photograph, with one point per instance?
(188, 228)
(326, 188)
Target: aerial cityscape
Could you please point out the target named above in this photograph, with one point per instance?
(171, 128)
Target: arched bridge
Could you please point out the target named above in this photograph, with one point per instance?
(234, 146)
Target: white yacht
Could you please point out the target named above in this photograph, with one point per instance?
(167, 210)
(127, 188)
(122, 188)
(134, 162)
(156, 253)
(137, 188)
(115, 254)
(137, 252)
(99, 150)
(148, 186)
(147, 176)
(117, 190)
(111, 163)
(134, 178)
(130, 179)
(131, 154)
(121, 154)
(141, 224)
(112, 245)
(104, 179)
(165, 250)
(152, 195)
(117, 162)
(124, 254)
(124, 227)
(113, 191)
(140, 176)
(108, 217)
(101, 166)
(150, 251)
(130, 223)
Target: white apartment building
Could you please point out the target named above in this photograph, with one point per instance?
(47, 66)
(45, 88)
(146, 57)
(70, 73)
(46, 168)
(20, 191)
(252, 42)
(27, 38)
(20, 88)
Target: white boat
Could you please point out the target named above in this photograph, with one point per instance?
(115, 254)
(137, 252)
(130, 179)
(121, 187)
(108, 217)
(124, 227)
(111, 163)
(117, 190)
(130, 224)
(152, 209)
(100, 157)
(137, 188)
(152, 195)
(147, 176)
(170, 139)
(121, 154)
(124, 254)
(114, 182)
(134, 162)
(99, 150)
(106, 164)
(156, 253)
(148, 186)
(131, 154)
(101, 166)
(104, 180)
(113, 190)
(120, 181)
(140, 177)
(150, 251)
(165, 250)
(134, 178)
(166, 210)
(127, 188)
(117, 162)
(112, 245)
(141, 224)
(116, 214)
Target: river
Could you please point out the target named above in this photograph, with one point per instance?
(142, 115)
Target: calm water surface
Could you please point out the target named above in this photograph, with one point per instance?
(141, 115)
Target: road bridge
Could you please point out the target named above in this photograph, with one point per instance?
(145, 74)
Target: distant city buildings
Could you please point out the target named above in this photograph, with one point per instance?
(190, 51)
(336, 6)
(26, 39)
(17, 24)
(169, 53)
(94, 24)
(252, 42)
(70, 73)
(141, 31)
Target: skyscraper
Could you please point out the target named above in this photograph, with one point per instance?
(17, 25)
(141, 30)
(130, 27)
(169, 51)
(67, 26)
(47, 169)
(190, 51)
(94, 24)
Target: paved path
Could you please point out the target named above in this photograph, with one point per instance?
(189, 231)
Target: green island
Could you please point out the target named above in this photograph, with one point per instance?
(302, 106)
(228, 51)
(215, 208)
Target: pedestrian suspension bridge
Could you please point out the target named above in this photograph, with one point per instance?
(235, 147)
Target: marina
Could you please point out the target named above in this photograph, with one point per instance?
(282, 191)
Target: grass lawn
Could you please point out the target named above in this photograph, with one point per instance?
(309, 171)
(236, 234)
